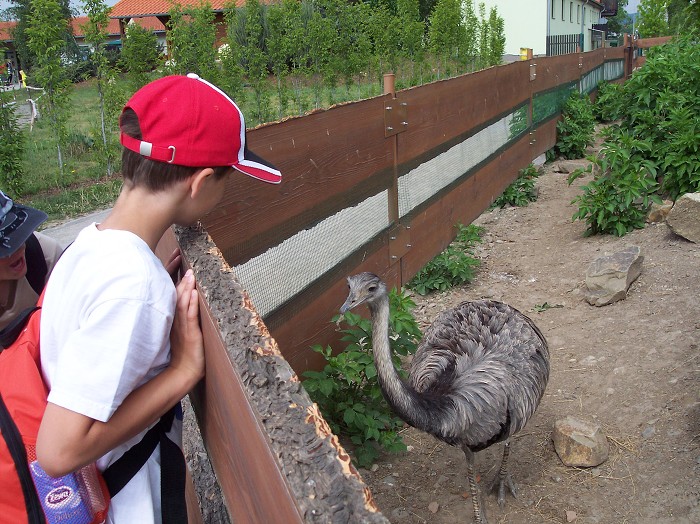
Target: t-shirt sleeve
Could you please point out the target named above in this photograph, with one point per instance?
(122, 344)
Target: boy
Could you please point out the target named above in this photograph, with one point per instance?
(120, 344)
(25, 262)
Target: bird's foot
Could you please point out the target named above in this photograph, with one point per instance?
(499, 486)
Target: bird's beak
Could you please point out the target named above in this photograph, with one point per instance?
(349, 303)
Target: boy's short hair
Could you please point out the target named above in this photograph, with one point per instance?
(177, 124)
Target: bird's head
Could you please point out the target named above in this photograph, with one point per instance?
(363, 287)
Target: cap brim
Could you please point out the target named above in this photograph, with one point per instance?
(14, 240)
(257, 167)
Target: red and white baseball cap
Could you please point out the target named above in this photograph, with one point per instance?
(187, 121)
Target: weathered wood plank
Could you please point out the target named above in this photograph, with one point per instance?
(328, 159)
(273, 454)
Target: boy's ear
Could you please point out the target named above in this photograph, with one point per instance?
(198, 180)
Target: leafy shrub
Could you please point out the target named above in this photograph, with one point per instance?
(618, 198)
(347, 390)
(575, 129)
(608, 103)
(522, 191)
(453, 267)
(12, 144)
(661, 105)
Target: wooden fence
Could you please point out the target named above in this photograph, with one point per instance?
(376, 185)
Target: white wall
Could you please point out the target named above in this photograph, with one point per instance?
(527, 22)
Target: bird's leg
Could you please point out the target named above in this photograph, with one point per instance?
(503, 478)
(479, 516)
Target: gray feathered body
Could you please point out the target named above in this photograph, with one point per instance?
(481, 369)
(477, 376)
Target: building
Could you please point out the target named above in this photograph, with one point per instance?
(128, 11)
(113, 30)
(551, 27)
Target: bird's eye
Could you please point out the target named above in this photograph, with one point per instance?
(372, 289)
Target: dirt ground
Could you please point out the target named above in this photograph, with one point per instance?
(631, 366)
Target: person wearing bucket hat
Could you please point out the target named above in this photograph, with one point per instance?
(26, 258)
(121, 344)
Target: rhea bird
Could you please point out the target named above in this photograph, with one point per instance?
(476, 378)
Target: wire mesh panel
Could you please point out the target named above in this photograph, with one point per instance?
(434, 175)
(590, 80)
(613, 69)
(283, 271)
(550, 103)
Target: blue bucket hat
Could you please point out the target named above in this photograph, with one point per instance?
(17, 223)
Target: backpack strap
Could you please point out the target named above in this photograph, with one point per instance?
(13, 440)
(10, 332)
(36, 264)
(172, 464)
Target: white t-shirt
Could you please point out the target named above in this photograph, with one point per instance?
(105, 330)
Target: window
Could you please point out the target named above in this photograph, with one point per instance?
(571, 12)
(552, 9)
(562, 10)
(578, 14)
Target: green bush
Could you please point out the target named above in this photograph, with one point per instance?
(453, 267)
(618, 198)
(661, 105)
(12, 146)
(347, 390)
(576, 128)
(522, 191)
(608, 102)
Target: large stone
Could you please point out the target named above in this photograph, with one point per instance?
(580, 443)
(684, 218)
(659, 212)
(609, 277)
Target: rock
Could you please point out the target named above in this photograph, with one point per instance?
(659, 212)
(571, 516)
(609, 277)
(648, 432)
(390, 481)
(433, 507)
(569, 166)
(580, 442)
(684, 217)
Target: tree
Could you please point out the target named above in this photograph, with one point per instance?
(255, 59)
(140, 54)
(230, 55)
(445, 30)
(683, 16)
(652, 18)
(193, 38)
(470, 48)
(278, 49)
(20, 11)
(497, 38)
(96, 36)
(12, 143)
(413, 30)
(484, 37)
(45, 34)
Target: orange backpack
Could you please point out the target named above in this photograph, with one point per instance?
(23, 396)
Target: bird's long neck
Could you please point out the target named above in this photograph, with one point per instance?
(404, 400)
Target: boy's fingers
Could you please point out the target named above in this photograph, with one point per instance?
(193, 307)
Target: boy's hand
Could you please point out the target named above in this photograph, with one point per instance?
(186, 341)
(173, 265)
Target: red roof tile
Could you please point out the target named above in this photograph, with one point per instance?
(136, 8)
(5, 28)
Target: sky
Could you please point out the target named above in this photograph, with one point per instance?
(631, 5)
